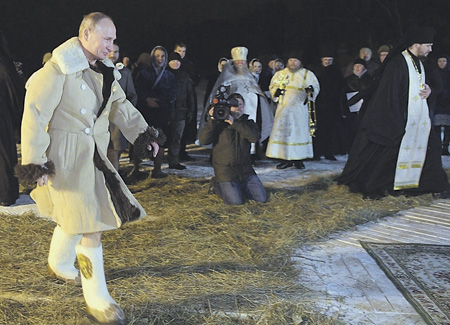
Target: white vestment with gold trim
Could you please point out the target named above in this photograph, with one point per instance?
(413, 148)
(290, 138)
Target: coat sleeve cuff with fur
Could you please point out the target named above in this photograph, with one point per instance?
(143, 140)
(28, 174)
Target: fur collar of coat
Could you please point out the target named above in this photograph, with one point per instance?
(70, 58)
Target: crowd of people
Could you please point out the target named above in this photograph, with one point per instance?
(86, 106)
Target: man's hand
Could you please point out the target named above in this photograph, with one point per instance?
(152, 102)
(41, 181)
(230, 119)
(211, 113)
(425, 91)
(153, 146)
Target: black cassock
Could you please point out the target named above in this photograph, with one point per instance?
(328, 112)
(371, 165)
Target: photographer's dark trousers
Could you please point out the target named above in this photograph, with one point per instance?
(235, 193)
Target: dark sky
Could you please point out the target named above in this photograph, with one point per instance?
(211, 28)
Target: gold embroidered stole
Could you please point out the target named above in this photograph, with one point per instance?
(413, 147)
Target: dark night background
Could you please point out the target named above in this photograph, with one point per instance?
(211, 28)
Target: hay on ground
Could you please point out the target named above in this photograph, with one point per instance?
(194, 260)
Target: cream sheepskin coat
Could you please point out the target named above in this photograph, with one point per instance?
(60, 124)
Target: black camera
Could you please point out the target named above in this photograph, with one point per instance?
(222, 106)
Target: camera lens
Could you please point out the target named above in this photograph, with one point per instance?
(221, 112)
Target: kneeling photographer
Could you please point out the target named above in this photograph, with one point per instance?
(231, 134)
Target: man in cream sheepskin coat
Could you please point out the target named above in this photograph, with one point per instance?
(68, 106)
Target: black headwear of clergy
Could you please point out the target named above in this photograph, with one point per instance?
(419, 35)
(327, 52)
(294, 55)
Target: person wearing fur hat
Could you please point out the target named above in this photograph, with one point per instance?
(290, 140)
(394, 152)
(68, 106)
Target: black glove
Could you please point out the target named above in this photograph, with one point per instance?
(309, 91)
(279, 92)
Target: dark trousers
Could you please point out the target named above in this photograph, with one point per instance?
(176, 129)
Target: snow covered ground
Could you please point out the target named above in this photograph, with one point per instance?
(201, 168)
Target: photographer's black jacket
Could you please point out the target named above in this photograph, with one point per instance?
(231, 147)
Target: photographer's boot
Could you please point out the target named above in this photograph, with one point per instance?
(62, 255)
(99, 304)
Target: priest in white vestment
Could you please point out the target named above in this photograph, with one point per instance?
(292, 88)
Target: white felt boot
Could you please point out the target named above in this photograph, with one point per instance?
(62, 255)
(100, 306)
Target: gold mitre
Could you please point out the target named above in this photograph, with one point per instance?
(239, 53)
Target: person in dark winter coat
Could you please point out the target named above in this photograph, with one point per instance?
(182, 112)
(234, 177)
(190, 128)
(442, 112)
(327, 107)
(156, 89)
(11, 102)
(353, 94)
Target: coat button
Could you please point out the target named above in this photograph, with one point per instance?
(83, 111)
(87, 130)
(114, 88)
(83, 86)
